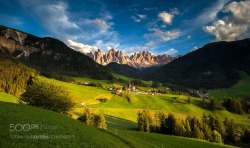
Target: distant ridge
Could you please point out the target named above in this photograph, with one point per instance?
(215, 65)
(137, 60)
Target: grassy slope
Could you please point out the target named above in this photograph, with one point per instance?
(80, 135)
(105, 83)
(108, 83)
(122, 108)
(242, 89)
(8, 98)
(80, 93)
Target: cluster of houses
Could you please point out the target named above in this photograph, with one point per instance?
(131, 89)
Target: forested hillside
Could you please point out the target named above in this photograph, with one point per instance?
(14, 76)
(49, 55)
(213, 66)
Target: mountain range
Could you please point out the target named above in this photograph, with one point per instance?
(49, 55)
(215, 65)
(137, 59)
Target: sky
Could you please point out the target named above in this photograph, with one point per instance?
(173, 27)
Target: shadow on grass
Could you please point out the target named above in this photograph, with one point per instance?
(119, 123)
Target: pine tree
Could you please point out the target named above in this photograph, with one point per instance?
(219, 126)
(189, 101)
(217, 137)
(207, 132)
(246, 136)
(100, 122)
(229, 132)
(188, 128)
(197, 133)
(144, 121)
(162, 119)
(171, 124)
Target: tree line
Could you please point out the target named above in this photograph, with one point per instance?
(233, 105)
(14, 76)
(210, 127)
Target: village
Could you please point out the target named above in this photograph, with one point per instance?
(121, 89)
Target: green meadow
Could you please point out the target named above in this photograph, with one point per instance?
(121, 117)
(240, 90)
(52, 129)
(8, 98)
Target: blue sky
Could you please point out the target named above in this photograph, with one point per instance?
(158, 26)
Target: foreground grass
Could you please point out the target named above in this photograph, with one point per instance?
(59, 130)
(241, 89)
(78, 134)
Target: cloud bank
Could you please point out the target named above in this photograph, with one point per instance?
(234, 26)
(83, 48)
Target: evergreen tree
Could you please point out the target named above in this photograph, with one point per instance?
(197, 133)
(211, 122)
(162, 119)
(217, 137)
(144, 121)
(246, 136)
(229, 130)
(215, 104)
(180, 129)
(171, 124)
(155, 84)
(189, 101)
(86, 117)
(99, 121)
(188, 128)
(207, 132)
(219, 126)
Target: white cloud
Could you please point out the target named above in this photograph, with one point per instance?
(105, 46)
(194, 48)
(163, 35)
(166, 17)
(232, 27)
(139, 17)
(83, 48)
(96, 23)
(226, 31)
(171, 51)
(56, 18)
(189, 37)
(53, 16)
(210, 14)
(240, 11)
(150, 9)
(174, 11)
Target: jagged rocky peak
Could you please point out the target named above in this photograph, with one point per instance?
(14, 34)
(137, 59)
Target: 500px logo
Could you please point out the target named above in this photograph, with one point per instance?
(23, 127)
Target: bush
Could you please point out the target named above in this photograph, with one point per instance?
(189, 101)
(93, 119)
(48, 96)
(94, 84)
(103, 100)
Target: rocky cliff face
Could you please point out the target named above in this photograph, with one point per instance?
(141, 59)
(49, 55)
